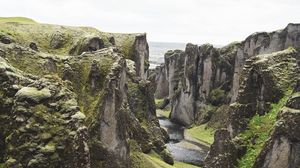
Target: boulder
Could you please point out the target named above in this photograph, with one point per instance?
(33, 94)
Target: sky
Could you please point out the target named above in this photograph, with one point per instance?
(217, 22)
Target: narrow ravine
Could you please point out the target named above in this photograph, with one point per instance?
(183, 150)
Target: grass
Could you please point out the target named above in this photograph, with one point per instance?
(155, 161)
(24, 31)
(159, 102)
(259, 127)
(163, 112)
(184, 165)
(16, 19)
(202, 133)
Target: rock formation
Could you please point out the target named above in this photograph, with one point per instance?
(282, 149)
(77, 98)
(239, 80)
(211, 75)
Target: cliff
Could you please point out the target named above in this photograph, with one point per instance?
(68, 97)
(233, 88)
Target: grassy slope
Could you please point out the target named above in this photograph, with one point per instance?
(25, 30)
(16, 19)
(162, 112)
(260, 127)
(153, 160)
(203, 133)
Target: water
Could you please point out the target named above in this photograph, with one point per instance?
(182, 149)
(158, 49)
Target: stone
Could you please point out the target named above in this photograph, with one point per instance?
(33, 94)
(5, 40)
(87, 44)
(112, 40)
(88, 118)
(167, 157)
(57, 40)
(283, 146)
(33, 46)
(223, 152)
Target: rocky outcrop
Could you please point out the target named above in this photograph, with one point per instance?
(264, 80)
(42, 125)
(238, 81)
(174, 61)
(134, 47)
(183, 104)
(223, 152)
(141, 54)
(86, 44)
(199, 76)
(79, 110)
(263, 43)
(212, 75)
(160, 78)
(282, 149)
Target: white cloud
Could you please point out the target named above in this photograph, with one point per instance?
(198, 21)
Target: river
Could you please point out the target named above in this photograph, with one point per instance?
(182, 148)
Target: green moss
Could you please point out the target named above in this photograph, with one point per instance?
(163, 112)
(217, 96)
(184, 165)
(159, 102)
(203, 133)
(259, 129)
(125, 43)
(43, 34)
(155, 161)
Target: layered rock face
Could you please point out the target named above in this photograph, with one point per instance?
(264, 80)
(262, 43)
(42, 125)
(240, 80)
(71, 100)
(212, 75)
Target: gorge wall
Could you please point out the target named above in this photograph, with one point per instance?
(240, 80)
(75, 97)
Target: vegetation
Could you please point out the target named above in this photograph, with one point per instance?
(153, 160)
(16, 19)
(217, 96)
(162, 112)
(183, 165)
(203, 133)
(159, 102)
(258, 131)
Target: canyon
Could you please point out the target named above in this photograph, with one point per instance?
(82, 98)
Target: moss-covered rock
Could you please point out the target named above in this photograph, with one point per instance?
(38, 131)
(79, 105)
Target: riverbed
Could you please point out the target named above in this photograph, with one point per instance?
(183, 149)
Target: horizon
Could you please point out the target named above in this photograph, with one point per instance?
(191, 21)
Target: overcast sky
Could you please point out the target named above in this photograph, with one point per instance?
(198, 21)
